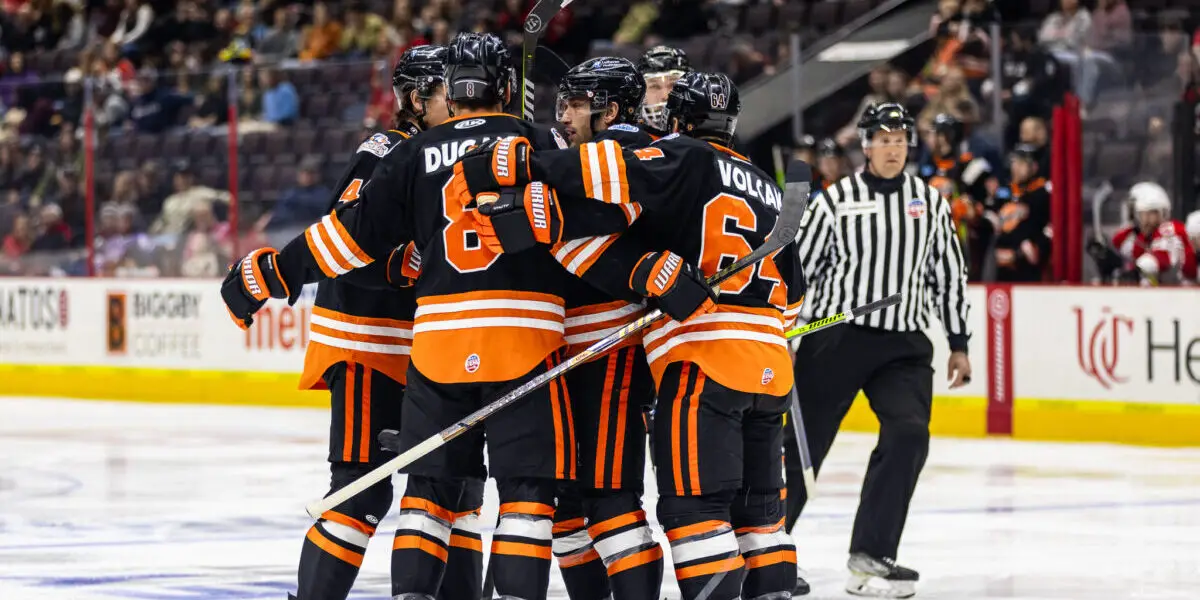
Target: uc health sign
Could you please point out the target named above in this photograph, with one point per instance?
(1109, 344)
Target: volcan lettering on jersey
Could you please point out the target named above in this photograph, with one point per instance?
(749, 183)
(445, 154)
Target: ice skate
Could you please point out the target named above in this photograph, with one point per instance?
(880, 577)
(802, 588)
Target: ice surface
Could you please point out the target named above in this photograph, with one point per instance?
(134, 501)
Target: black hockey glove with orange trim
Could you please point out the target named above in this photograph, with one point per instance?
(678, 287)
(516, 219)
(404, 266)
(249, 283)
(496, 164)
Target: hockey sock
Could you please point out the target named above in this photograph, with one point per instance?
(582, 570)
(770, 554)
(521, 545)
(708, 562)
(334, 546)
(421, 547)
(622, 537)
(464, 564)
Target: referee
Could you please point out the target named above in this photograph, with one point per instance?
(867, 236)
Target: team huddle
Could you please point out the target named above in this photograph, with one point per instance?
(471, 251)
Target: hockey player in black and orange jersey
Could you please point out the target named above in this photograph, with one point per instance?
(483, 324)
(661, 66)
(963, 180)
(1022, 245)
(831, 164)
(361, 331)
(723, 371)
(602, 511)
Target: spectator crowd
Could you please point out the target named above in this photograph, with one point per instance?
(161, 70)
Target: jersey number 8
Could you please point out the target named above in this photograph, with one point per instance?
(464, 251)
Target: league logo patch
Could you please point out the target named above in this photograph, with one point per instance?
(472, 363)
(767, 375)
(916, 208)
(469, 123)
(378, 144)
(625, 127)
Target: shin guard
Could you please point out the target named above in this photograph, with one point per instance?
(582, 571)
(334, 546)
(704, 548)
(521, 545)
(622, 537)
(770, 554)
(464, 566)
(421, 547)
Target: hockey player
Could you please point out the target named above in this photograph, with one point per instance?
(1155, 248)
(662, 66)
(484, 323)
(831, 163)
(723, 371)
(963, 179)
(1022, 245)
(361, 332)
(599, 100)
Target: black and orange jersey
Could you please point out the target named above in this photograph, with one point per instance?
(480, 316)
(593, 314)
(711, 206)
(360, 318)
(958, 175)
(1022, 240)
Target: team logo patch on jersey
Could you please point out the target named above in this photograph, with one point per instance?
(469, 123)
(916, 208)
(378, 144)
(625, 127)
(472, 363)
(558, 139)
(767, 376)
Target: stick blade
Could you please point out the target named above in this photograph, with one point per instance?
(797, 188)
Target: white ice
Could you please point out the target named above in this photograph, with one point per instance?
(106, 500)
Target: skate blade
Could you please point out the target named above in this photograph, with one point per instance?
(873, 586)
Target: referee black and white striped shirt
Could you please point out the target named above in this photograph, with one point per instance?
(865, 238)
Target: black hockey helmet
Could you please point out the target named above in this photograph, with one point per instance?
(603, 81)
(830, 147)
(664, 60)
(806, 142)
(668, 63)
(420, 68)
(704, 105)
(886, 116)
(478, 69)
(947, 125)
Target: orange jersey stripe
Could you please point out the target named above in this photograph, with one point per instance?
(709, 568)
(761, 528)
(622, 414)
(322, 542)
(569, 525)
(695, 528)
(469, 543)
(444, 514)
(616, 522)
(527, 508)
(349, 401)
(771, 558)
(635, 560)
(677, 427)
(416, 542)
(575, 560)
(694, 436)
(740, 348)
(334, 337)
(364, 442)
(577, 256)
(589, 324)
(348, 521)
(602, 437)
(520, 549)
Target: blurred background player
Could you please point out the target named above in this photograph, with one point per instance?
(1021, 223)
(662, 66)
(1192, 226)
(965, 180)
(850, 259)
(361, 333)
(831, 164)
(1154, 249)
(597, 100)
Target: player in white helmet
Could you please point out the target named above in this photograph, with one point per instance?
(1155, 245)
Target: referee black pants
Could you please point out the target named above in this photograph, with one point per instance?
(895, 372)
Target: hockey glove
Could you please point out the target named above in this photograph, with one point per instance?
(677, 285)
(518, 219)
(249, 283)
(496, 164)
(404, 266)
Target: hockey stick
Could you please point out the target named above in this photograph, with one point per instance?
(806, 463)
(787, 225)
(550, 65)
(535, 25)
(849, 315)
